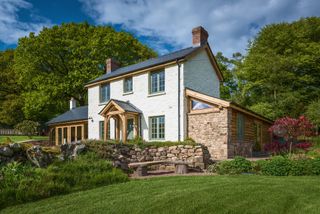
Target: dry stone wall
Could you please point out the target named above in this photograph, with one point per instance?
(196, 155)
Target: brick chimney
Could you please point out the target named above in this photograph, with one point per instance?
(111, 65)
(199, 36)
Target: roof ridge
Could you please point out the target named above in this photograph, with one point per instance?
(179, 54)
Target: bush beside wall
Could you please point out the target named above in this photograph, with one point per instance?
(276, 166)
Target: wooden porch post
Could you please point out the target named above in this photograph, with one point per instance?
(118, 128)
(124, 128)
(69, 134)
(136, 126)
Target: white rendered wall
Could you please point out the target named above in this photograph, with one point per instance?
(200, 75)
(151, 105)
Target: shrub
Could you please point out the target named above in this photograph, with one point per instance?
(277, 166)
(232, 167)
(27, 127)
(22, 183)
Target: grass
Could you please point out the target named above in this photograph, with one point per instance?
(22, 138)
(190, 194)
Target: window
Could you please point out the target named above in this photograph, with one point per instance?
(127, 85)
(104, 93)
(59, 136)
(73, 134)
(157, 127)
(79, 133)
(197, 105)
(101, 130)
(240, 127)
(65, 135)
(157, 82)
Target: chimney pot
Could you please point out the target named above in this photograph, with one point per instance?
(199, 36)
(111, 65)
(73, 103)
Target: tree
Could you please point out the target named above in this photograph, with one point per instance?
(291, 129)
(56, 64)
(228, 67)
(11, 102)
(281, 72)
(313, 113)
(27, 127)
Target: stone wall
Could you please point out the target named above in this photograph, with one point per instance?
(24, 152)
(196, 155)
(210, 130)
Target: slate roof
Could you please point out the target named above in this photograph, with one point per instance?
(177, 55)
(127, 106)
(80, 113)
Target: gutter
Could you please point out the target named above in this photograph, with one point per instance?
(179, 107)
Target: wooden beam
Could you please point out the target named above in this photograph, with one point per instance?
(206, 98)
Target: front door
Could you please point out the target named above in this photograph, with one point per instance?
(130, 129)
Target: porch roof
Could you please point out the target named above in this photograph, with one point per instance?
(125, 106)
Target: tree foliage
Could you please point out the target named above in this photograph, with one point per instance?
(313, 113)
(281, 73)
(11, 102)
(56, 64)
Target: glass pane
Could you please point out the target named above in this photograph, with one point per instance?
(128, 84)
(130, 129)
(199, 105)
(53, 136)
(65, 135)
(161, 81)
(79, 133)
(161, 127)
(59, 136)
(101, 130)
(154, 83)
(73, 134)
(86, 131)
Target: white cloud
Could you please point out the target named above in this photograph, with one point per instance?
(230, 23)
(11, 28)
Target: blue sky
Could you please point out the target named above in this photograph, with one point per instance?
(164, 25)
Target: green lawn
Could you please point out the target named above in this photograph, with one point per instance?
(22, 138)
(190, 194)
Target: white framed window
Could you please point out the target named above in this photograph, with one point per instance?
(157, 82)
(104, 93)
(127, 85)
(157, 127)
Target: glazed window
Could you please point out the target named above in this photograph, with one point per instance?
(104, 93)
(157, 82)
(127, 85)
(157, 128)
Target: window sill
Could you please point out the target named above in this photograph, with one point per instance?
(127, 93)
(156, 140)
(157, 94)
(104, 103)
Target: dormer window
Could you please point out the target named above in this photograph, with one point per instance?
(127, 85)
(104, 93)
(157, 82)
